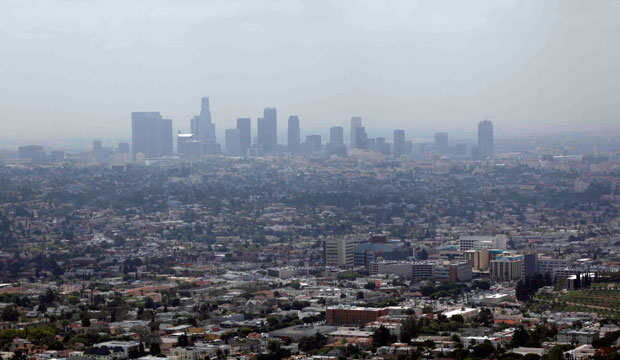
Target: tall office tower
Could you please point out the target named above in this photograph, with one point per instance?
(206, 129)
(98, 152)
(294, 136)
(268, 130)
(261, 134)
(164, 138)
(371, 144)
(57, 156)
(356, 122)
(399, 142)
(360, 138)
(35, 153)
(314, 141)
(441, 142)
(182, 141)
(408, 147)
(194, 127)
(233, 142)
(244, 125)
(383, 147)
(123, 148)
(144, 133)
(336, 135)
(485, 139)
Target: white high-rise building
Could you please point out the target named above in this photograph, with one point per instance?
(339, 252)
(479, 242)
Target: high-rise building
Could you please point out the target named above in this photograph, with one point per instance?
(506, 268)
(338, 252)
(399, 142)
(244, 126)
(98, 151)
(35, 153)
(371, 144)
(314, 141)
(479, 259)
(336, 135)
(150, 134)
(194, 126)
(233, 142)
(206, 128)
(164, 138)
(123, 148)
(408, 147)
(383, 147)
(182, 141)
(356, 122)
(293, 134)
(529, 264)
(57, 156)
(268, 130)
(361, 138)
(144, 127)
(441, 142)
(485, 139)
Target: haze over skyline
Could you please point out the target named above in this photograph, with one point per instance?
(79, 68)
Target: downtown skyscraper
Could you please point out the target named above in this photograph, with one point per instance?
(485, 139)
(356, 122)
(150, 134)
(441, 142)
(399, 142)
(268, 130)
(336, 135)
(232, 142)
(244, 125)
(294, 134)
(206, 128)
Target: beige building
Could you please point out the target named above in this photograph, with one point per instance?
(339, 252)
(506, 269)
(479, 259)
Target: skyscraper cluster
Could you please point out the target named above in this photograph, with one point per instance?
(152, 137)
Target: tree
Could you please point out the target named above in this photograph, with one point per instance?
(555, 353)
(481, 284)
(183, 340)
(18, 355)
(155, 349)
(457, 318)
(484, 350)
(520, 337)
(485, 317)
(370, 285)
(149, 303)
(85, 319)
(411, 326)
(10, 314)
(310, 343)
(381, 337)
(405, 337)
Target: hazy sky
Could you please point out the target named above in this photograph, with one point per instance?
(78, 68)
